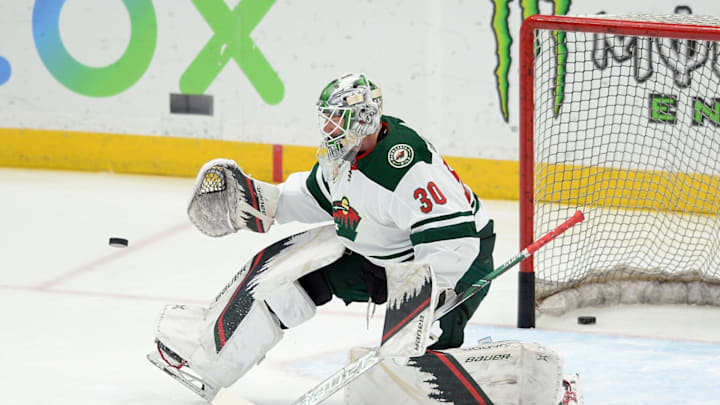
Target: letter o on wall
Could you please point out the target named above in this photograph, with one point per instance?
(95, 81)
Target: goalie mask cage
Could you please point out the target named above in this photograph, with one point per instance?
(620, 117)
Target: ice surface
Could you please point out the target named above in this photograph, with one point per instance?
(78, 315)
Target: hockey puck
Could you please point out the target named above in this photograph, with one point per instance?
(118, 242)
(586, 320)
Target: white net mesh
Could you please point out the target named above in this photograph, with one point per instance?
(627, 129)
(677, 19)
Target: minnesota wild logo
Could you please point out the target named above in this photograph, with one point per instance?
(346, 219)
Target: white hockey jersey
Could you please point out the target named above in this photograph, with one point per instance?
(399, 201)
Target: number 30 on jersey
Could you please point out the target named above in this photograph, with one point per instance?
(426, 204)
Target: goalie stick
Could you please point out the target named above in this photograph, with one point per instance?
(353, 370)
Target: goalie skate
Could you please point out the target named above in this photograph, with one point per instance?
(162, 359)
(571, 393)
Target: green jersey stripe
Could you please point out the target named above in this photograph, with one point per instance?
(461, 230)
(440, 218)
(395, 255)
(314, 189)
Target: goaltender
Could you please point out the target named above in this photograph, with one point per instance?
(393, 200)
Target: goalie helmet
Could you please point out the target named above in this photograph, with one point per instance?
(349, 109)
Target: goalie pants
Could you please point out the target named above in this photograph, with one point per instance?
(353, 278)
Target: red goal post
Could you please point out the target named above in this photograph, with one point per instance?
(572, 187)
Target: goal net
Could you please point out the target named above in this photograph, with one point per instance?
(620, 118)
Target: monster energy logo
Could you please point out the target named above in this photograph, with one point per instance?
(681, 57)
(500, 23)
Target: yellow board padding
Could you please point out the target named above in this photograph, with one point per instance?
(490, 179)
(634, 189)
(183, 157)
(297, 159)
(136, 154)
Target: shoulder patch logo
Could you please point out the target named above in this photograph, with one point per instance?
(400, 155)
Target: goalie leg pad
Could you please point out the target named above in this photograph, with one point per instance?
(412, 298)
(291, 304)
(183, 329)
(222, 342)
(506, 372)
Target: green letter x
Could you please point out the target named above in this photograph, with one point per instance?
(232, 40)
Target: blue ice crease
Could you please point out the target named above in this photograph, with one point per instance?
(627, 370)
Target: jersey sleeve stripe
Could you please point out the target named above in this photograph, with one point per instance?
(475, 204)
(314, 189)
(395, 255)
(440, 218)
(461, 230)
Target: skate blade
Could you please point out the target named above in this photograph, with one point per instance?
(193, 383)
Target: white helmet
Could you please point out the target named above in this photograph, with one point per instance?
(349, 108)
